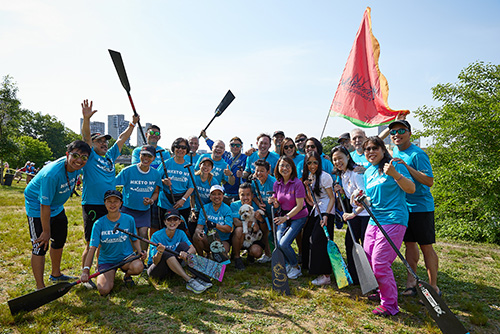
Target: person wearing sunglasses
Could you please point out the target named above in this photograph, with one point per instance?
(99, 172)
(278, 137)
(221, 170)
(179, 180)
(312, 144)
(153, 136)
(300, 141)
(44, 198)
(289, 149)
(387, 184)
(314, 242)
(421, 228)
(347, 182)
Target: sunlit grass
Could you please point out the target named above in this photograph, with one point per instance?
(244, 302)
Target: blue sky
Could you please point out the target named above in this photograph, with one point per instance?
(281, 59)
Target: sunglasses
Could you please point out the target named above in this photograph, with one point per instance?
(181, 147)
(313, 162)
(154, 133)
(371, 148)
(235, 145)
(287, 147)
(79, 156)
(399, 131)
(300, 140)
(310, 146)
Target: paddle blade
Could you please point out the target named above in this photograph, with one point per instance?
(120, 69)
(339, 267)
(217, 249)
(439, 311)
(278, 270)
(208, 267)
(35, 299)
(367, 279)
(226, 101)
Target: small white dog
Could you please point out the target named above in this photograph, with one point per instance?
(247, 215)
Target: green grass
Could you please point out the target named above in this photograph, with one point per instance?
(244, 302)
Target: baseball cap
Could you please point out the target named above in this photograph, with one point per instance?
(111, 193)
(216, 187)
(344, 136)
(98, 135)
(402, 122)
(279, 132)
(172, 213)
(148, 149)
(207, 159)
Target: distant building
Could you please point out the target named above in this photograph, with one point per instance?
(140, 141)
(94, 126)
(114, 123)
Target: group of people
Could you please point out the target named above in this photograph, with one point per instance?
(174, 198)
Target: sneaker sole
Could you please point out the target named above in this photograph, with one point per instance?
(195, 291)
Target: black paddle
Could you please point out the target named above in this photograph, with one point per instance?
(439, 311)
(366, 278)
(226, 101)
(172, 198)
(278, 267)
(217, 249)
(122, 74)
(38, 298)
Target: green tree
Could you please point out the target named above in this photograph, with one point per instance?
(329, 143)
(126, 150)
(465, 153)
(33, 150)
(10, 118)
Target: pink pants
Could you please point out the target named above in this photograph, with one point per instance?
(381, 255)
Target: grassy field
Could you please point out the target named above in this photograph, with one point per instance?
(243, 302)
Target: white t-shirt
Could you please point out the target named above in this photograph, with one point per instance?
(325, 182)
(350, 182)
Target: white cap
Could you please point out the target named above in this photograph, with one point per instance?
(216, 187)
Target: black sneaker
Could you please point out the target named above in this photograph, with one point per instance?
(250, 259)
(238, 264)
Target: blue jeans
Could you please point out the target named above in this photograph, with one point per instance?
(286, 233)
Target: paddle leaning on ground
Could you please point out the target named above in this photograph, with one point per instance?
(38, 298)
(439, 311)
(339, 268)
(198, 263)
(278, 266)
(366, 277)
(226, 101)
(216, 246)
(116, 57)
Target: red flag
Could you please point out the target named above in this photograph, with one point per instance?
(361, 96)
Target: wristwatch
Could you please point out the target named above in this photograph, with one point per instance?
(287, 217)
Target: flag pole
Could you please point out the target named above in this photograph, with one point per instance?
(324, 126)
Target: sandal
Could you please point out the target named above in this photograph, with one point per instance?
(375, 297)
(410, 292)
(381, 310)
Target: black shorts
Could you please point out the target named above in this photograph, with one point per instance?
(421, 228)
(90, 214)
(58, 232)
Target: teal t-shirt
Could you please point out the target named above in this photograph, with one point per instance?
(114, 246)
(388, 199)
(263, 189)
(222, 216)
(161, 237)
(325, 163)
(421, 200)
(204, 190)
(181, 182)
(272, 158)
(218, 170)
(137, 185)
(99, 176)
(50, 187)
(136, 156)
(359, 159)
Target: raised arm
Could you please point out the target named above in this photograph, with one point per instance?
(87, 113)
(126, 134)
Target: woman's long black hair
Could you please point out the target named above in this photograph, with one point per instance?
(375, 140)
(350, 163)
(305, 171)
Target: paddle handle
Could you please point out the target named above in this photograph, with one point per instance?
(197, 193)
(110, 268)
(166, 175)
(139, 122)
(348, 224)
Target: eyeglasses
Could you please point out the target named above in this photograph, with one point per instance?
(235, 145)
(79, 156)
(154, 133)
(300, 140)
(310, 146)
(181, 147)
(285, 166)
(399, 131)
(315, 162)
(287, 147)
(371, 148)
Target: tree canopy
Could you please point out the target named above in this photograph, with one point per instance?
(465, 153)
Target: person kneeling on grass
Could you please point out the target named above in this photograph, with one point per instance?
(115, 247)
(162, 264)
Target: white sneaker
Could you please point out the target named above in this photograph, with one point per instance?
(207, 285)
(294, 273)
(264, 259)
(322, 280)
(89, 285)
(195, 286)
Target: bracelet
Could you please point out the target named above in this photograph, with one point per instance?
(86, 267)
(133, 124)
(184, 199)
(399, 178)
